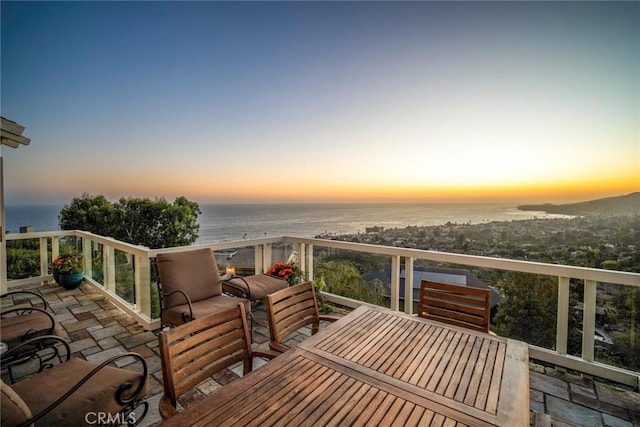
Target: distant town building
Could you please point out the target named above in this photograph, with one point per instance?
(374, 229)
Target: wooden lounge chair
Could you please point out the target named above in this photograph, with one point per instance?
(454, 304)
(77, 392)
(291, 309)
(27, 318)
(192, 352)
(190, 287)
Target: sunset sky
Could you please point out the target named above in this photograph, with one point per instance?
(322, 101)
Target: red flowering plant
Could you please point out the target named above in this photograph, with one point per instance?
(68, 263)
(287, 271)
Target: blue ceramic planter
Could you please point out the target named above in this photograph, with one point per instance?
(69, 281)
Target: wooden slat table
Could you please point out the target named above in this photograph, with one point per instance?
(378, 367)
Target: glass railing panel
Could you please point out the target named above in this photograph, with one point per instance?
(23, 258)
(617, 338)
(353, 274)
(527, 310)
(125, 276)
(97, 262)
(236, 261)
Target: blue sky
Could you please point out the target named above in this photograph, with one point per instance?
(322, 101)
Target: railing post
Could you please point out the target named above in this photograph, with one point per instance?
(86, 254)
(44, 261)
(55, 247)
(109, 268)
(562, 328)
(310, 262)
(395, 282)
(302, 258)
(589, 319)
(143, 284)
(408, 285)
(263, 258)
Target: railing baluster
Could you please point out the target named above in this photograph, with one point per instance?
(143, 285)
(44, 257)
(110, 268)
(408, 285)
(395, 282)
(589, 319)
(562, 333)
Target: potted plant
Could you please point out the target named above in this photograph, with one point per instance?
(287, 271)
(68, 269)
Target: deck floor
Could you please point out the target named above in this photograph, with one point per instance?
(98, 330)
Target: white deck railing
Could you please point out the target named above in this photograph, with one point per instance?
(140, 257)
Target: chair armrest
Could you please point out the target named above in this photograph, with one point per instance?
(246, 293)
(123, 396)
(40, 341)
(277, 347)
(28, 310)
(186, 297)
(328, 318)
(29, 350)
(33, 294)
(266, 354)
(166, 408)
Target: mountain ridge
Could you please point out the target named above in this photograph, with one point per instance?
(616, 205)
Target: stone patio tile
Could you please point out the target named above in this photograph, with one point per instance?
(101, 356)
(61, 306)
(549, 385)
(64, 316)
(81, 345)
(108, 322)
(577, 389)
(573, 413)
(154, 364)
(90, 351)
(600, 406)
(208, 386)
(143, 351)
(83, 308)
(536, 396)
(102, 314)
(153, 417)
(79, 335)
(138, 339)
(108, 343)
(71, 326)
(618, 397)
(536, 406)
(611, 421)
(84, 316)
(102, 333)
(226, 376)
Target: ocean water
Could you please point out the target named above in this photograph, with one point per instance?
(226, 222)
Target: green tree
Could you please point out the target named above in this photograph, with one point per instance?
(528, 310)
(140, 221)
(343, 278)
(88, 213)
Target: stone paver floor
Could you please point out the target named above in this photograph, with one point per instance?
(97, 330)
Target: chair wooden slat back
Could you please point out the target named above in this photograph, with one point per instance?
(194, 351)
(456, 305)
(289, 310)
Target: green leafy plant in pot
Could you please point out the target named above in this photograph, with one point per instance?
(68, 269)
